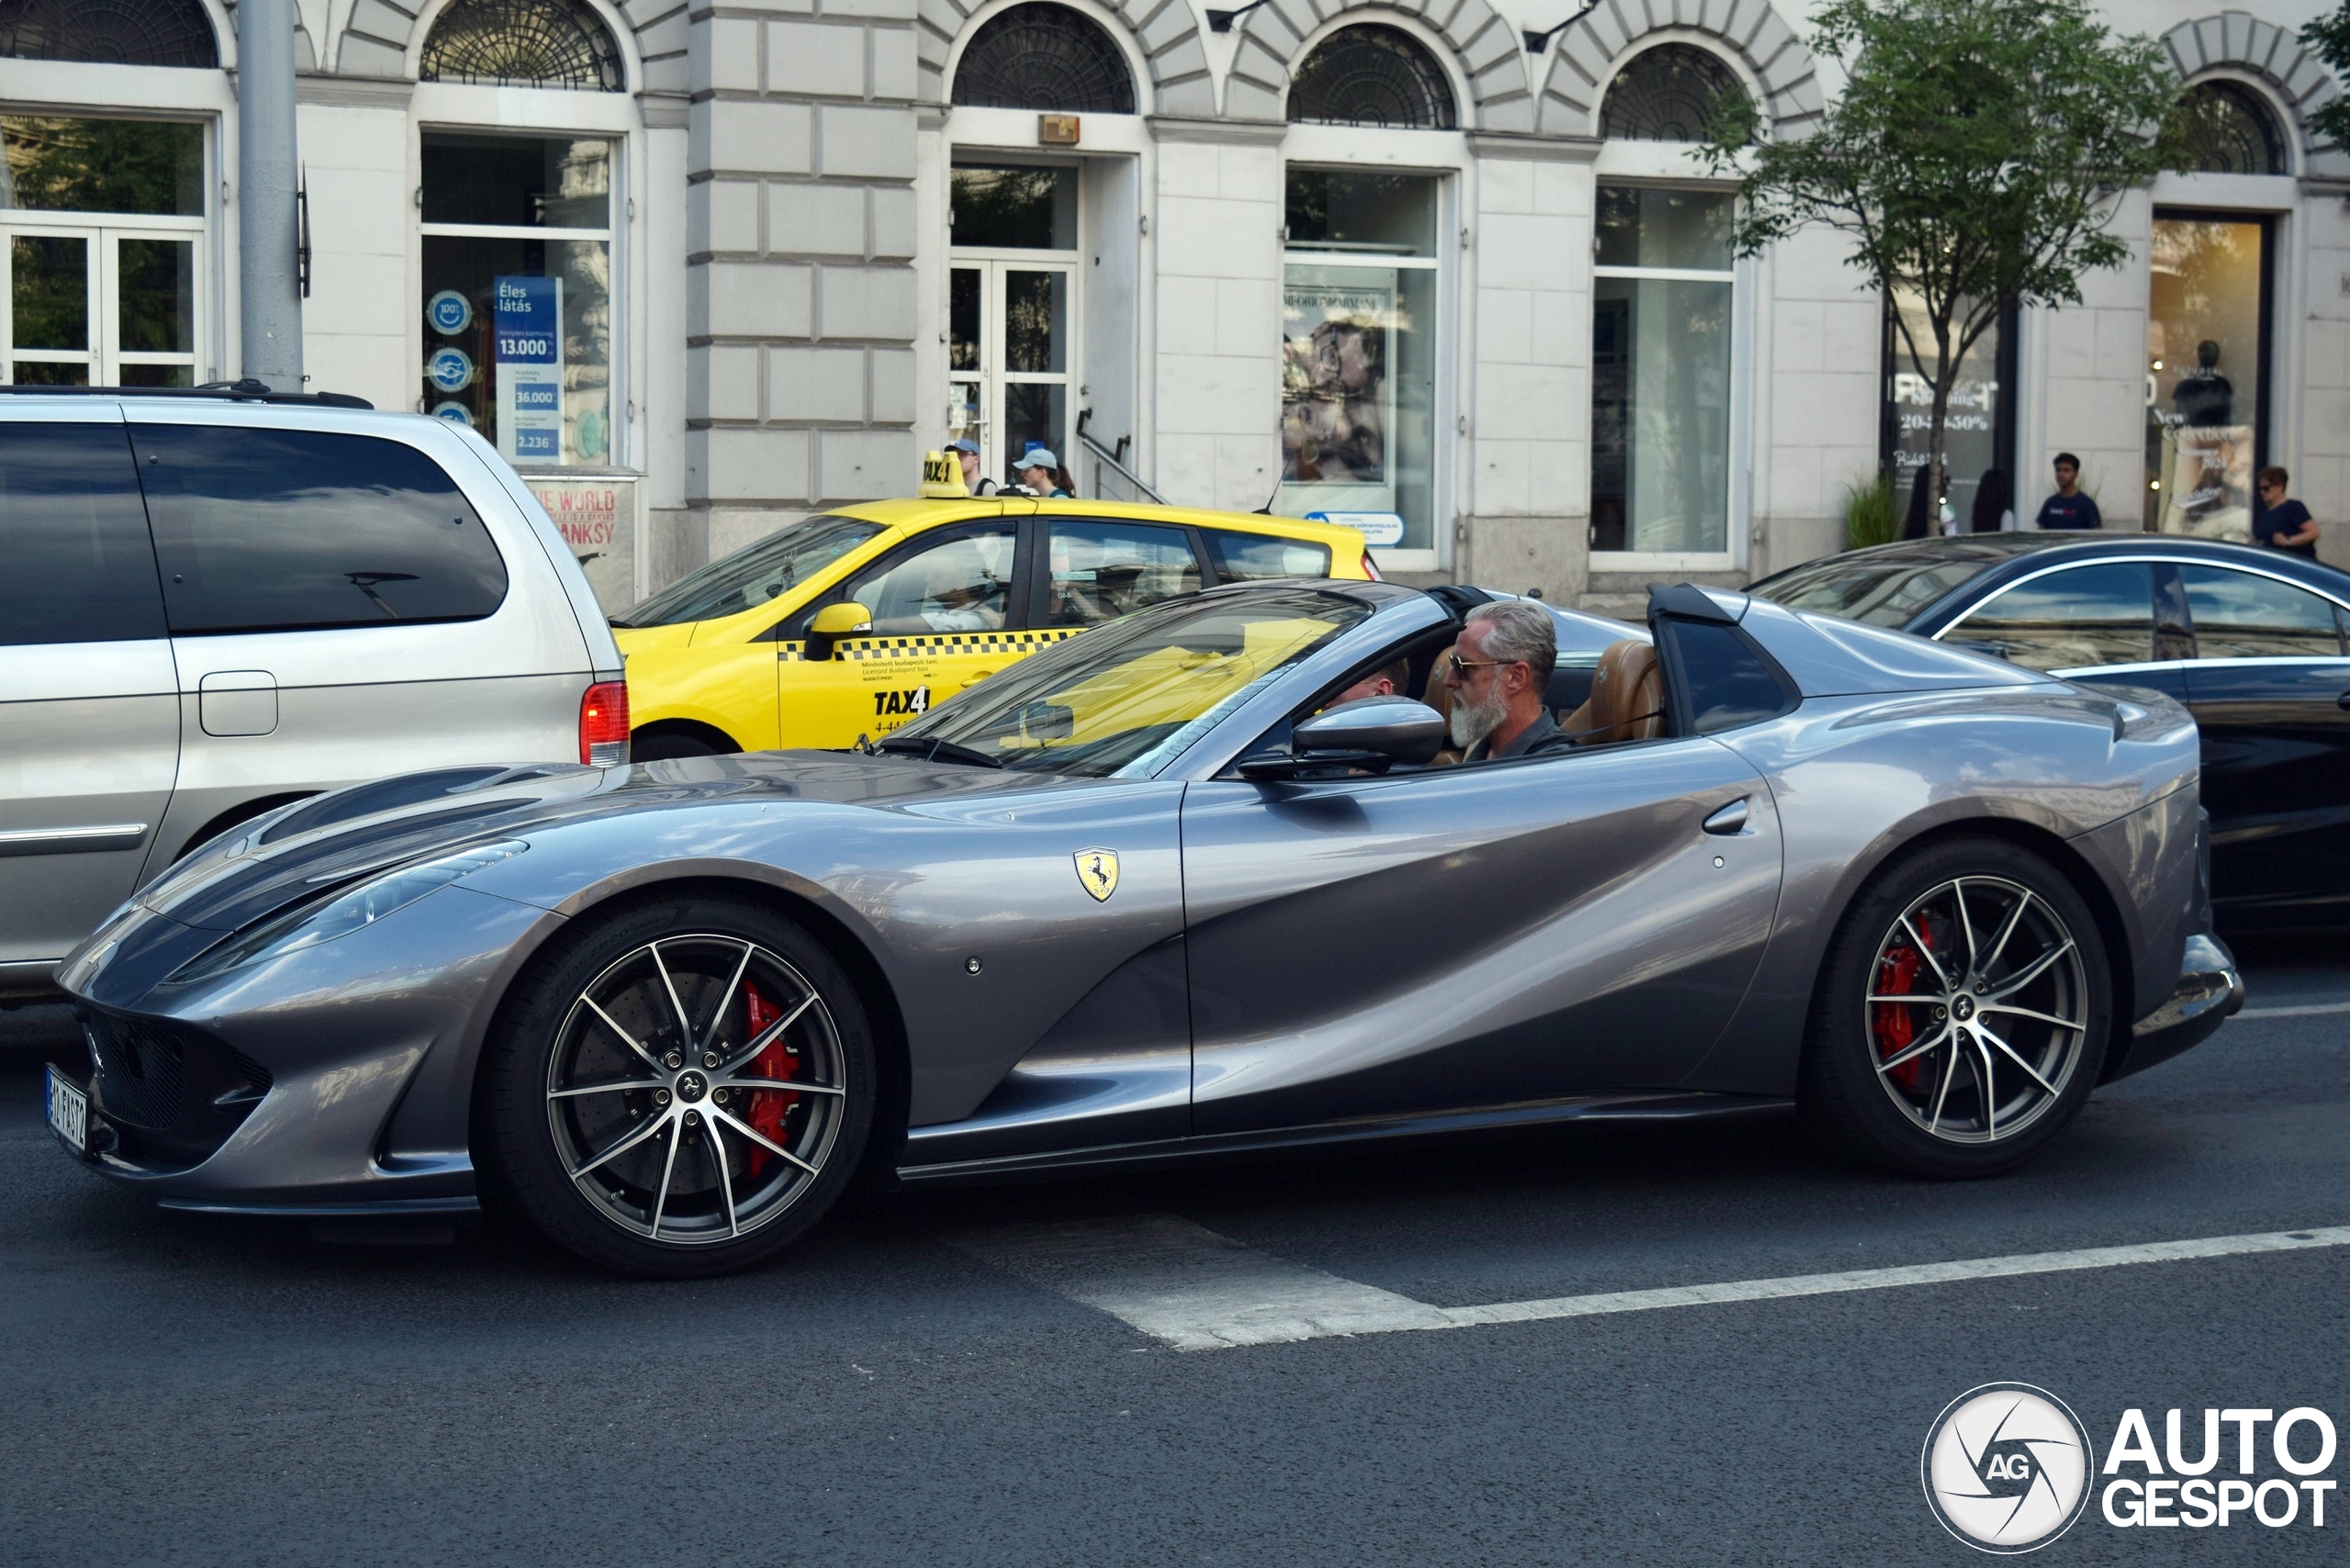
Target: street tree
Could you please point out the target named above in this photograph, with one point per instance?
(1975, 157)
(2330, 35)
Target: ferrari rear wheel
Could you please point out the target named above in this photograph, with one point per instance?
(683, 1092)
(1963, 1012)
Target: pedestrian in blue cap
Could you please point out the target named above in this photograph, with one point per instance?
(1042, 472)
(967, 453)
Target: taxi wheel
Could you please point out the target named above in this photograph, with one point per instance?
(1963, 1013)
(683, 1090)
(655, 744)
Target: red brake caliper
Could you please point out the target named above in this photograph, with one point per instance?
(1897, 974)
(768, 1106)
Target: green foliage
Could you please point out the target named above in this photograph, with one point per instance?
(2330, 35)
(103, 165)
(1870, 515)
(1974, 157)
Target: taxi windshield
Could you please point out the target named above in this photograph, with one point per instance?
(753, 575)
(1855, 588)
(1127, 699)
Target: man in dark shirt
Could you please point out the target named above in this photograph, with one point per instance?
(2283, 524)
(2068, 508)
(1499, 670)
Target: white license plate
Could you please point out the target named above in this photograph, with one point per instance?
(69, 1113)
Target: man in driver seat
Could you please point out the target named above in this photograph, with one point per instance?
(1498, 671)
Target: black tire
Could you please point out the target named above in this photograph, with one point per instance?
(577, 1156)
(662, 746)
(1872, 1077)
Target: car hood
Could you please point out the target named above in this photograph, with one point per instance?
(309, 850)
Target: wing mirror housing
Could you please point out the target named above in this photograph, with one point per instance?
(834, 622)
(1370, 735)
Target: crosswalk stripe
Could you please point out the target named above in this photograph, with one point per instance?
(1194, 1290)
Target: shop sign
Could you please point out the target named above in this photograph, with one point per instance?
(529, 339)
(456, 413)
(598, 519)
(1384, 529)
(449, 311)
(449, 368)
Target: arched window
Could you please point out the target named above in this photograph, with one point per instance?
(1371, 75)
(110, 32)
(1043, 56)
(1665, 93)
(2224, 129)
(523, 43)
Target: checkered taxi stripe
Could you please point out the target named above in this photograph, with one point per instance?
(943, 644)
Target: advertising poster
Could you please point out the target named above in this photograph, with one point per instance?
(1337, 404)
(2206, 473)
(529, 335)
(598, 518)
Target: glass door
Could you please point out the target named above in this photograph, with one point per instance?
(1010, 357)
(100, 305)
(2207, 349)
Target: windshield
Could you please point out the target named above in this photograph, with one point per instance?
(1881, 592)
(753, 575)
(1127, 699)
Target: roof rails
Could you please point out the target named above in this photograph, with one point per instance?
(249, 390)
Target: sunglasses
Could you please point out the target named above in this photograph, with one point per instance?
(1461, 667)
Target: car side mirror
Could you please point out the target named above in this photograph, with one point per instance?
(832, 623)
(1369, 735)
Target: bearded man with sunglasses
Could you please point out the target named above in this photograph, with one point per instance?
(1499, 671)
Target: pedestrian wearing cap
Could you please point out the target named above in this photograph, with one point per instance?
(967, 453)
(1042, 472)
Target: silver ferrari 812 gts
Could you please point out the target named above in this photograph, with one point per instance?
(1156, 893)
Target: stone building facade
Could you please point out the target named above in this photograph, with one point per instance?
(702, 270)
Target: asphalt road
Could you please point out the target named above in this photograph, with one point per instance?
(185, 1390)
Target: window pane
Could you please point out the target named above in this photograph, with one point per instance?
(1035, 414)
(1970, 431)
(157, 375)
(1018, 207)
(49, 283)
(1880, 592)
(1035, 322)
(1341, 210)
(39, 373)
(157, 286)
(963, 319)
(1648, 226)
(1245, 557)
(1729, 683)
(1661, 415)
(962, 585)
(753, 575)
(538, 394)
(1103, 570)
(79, 566)
(2203, 375)
(263, 529)
(101, 165)
(541, 182)
(1359, 395)
(2240, 616)
(2070, 619)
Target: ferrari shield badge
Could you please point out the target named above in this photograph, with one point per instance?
(1098, 869)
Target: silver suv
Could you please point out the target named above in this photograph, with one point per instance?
(213, 603)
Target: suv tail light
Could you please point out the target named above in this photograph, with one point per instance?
(1371, 568)
(603, 725)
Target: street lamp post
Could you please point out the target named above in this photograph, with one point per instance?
(268, 231)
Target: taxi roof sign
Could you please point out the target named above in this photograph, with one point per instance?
(942, 478)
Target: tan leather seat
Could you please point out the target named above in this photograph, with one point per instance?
(1627, 701)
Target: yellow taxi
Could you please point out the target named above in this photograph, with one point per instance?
(851, 622)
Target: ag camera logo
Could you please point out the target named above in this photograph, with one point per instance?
(2007, 1468)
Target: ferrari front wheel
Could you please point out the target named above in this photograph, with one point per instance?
(684, 1091)
(1962, 1015)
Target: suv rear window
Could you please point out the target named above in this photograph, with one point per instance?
(281, 531)
(78, 566)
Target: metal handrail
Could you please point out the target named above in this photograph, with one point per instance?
(1106, 455)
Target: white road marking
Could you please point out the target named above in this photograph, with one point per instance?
(1194, 1290)
(2308, 1010)
(1187, 1286)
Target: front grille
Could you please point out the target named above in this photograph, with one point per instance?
(170, 1094)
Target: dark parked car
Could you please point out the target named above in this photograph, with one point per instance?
(2252, 641)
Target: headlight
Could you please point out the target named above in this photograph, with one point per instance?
(310, 924)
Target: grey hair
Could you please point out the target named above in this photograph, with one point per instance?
(1519, 631)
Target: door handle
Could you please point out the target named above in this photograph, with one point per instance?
(1730, 818)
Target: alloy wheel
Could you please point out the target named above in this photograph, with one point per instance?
(695, 1089)
(1978, 1009)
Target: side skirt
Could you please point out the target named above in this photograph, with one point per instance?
(1659, 1107)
